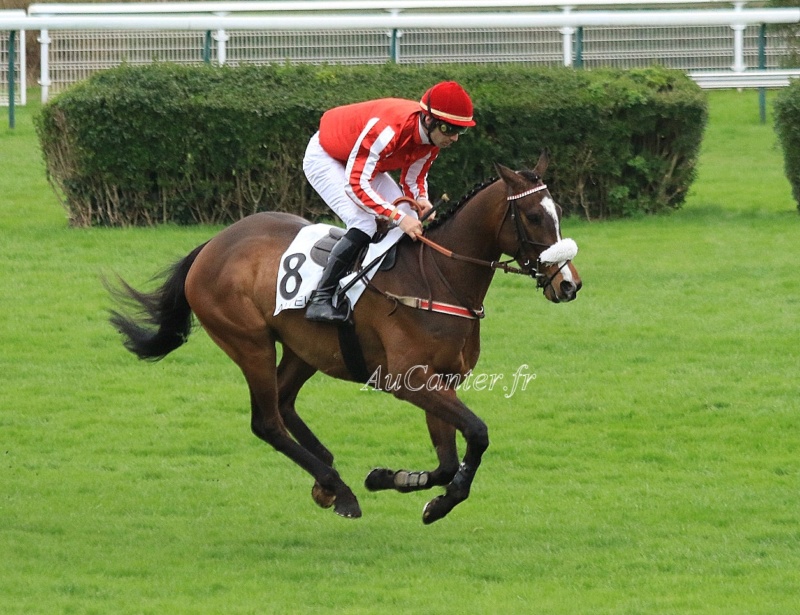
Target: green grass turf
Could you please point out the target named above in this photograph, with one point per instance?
(650, 467)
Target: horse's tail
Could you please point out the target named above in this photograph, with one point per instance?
(160, 321)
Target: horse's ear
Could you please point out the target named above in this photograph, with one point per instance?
(501, 169)
(509, 176)
(544, 160)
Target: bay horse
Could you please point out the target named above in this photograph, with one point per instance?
(229, 283)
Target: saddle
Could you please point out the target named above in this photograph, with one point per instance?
(322, 249)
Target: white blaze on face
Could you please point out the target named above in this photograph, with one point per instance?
(564, 249)
(550, 207)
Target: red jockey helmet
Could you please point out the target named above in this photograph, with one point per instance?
(447, 101)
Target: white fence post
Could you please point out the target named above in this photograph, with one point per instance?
(44, 63)
(222, 39)
(738, 48)
(738, 41)
(222, 48)
(566, 40)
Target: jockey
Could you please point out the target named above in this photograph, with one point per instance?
(348, 163)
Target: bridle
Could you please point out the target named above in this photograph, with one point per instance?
(527, 267)
(559, 254)
(542, 280)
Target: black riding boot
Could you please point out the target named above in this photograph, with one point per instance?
(320, 307)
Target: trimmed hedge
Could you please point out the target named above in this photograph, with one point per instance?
(168, 143)
(787, 125)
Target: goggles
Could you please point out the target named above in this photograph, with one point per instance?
(450, 129)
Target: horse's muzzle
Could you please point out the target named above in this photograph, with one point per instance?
(569, 290)
(562, 289)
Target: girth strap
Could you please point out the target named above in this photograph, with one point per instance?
(352, 354)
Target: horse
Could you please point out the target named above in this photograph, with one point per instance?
(419, 320)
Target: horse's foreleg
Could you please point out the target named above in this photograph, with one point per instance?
(443, 437)
(445, 406)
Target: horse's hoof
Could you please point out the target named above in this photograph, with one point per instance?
(322, 496)
(437, 508)
(347, 506)
(379, 480)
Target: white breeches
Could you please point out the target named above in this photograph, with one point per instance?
(326, 175)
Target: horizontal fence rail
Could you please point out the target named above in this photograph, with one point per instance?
(766, 78)
(287, 6)
(389, 21)
(718, 44)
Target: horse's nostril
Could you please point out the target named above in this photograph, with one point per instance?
(568, 288)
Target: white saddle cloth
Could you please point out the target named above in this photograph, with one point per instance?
(299, 275)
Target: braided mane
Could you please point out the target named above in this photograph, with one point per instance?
(448, 211)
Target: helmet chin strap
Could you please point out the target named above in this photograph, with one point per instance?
(427, 125)
(428, 118)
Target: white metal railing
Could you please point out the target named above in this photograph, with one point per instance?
(13, 83)
(574, 19)
(285, 6)
(356, 31)
(767, 78)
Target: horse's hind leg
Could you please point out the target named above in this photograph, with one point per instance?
(293, 373)
(267, 423)
(443, 437)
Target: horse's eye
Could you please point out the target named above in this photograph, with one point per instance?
(534, 217)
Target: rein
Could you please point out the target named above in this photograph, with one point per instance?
(501, 265)
(542, 281)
